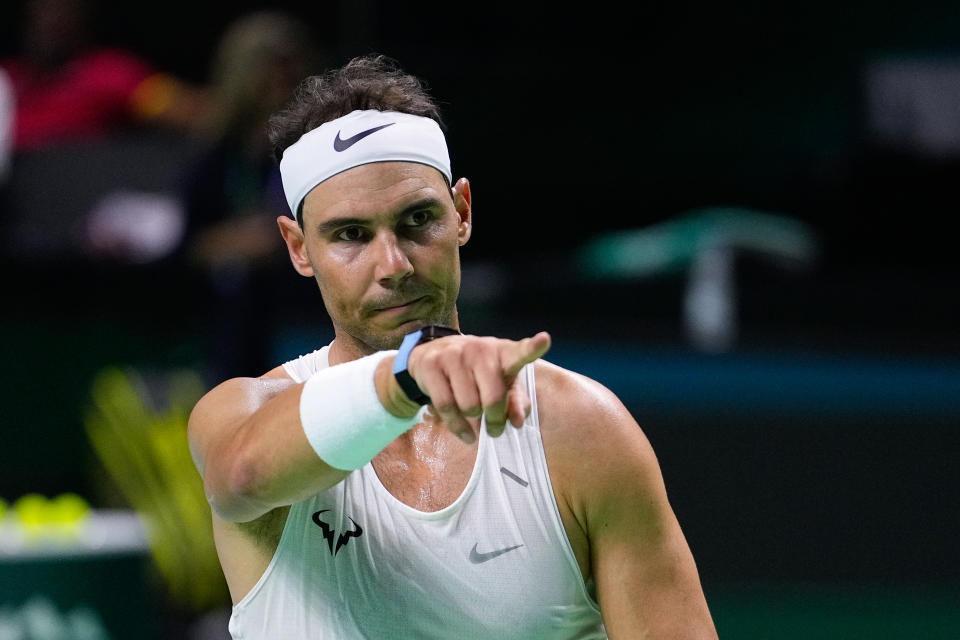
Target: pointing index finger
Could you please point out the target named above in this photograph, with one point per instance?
(526, 351)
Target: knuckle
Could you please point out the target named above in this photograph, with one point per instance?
(471, 357)
(450, 352)
(473, 345)
(428, 359)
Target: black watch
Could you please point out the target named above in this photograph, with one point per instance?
(411, 340)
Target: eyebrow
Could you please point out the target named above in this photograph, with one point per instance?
(338, 223)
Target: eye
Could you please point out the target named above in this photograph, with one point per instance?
(418, 218)
(350, 234)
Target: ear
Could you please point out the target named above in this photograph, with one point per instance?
(296, 246)
(462, 202)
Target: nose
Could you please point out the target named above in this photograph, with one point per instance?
(392, 264)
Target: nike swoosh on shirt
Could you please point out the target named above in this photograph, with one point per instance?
(476, 557)
(343, 145)
(514, 477)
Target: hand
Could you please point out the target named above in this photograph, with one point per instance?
(468, 376)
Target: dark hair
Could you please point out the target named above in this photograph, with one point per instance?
(366, 82)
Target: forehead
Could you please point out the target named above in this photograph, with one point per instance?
(372, 189)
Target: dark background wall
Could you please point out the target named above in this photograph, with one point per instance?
(630, 115)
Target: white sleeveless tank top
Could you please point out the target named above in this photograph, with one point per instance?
(354, 562)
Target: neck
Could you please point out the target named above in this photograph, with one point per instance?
(346, 347)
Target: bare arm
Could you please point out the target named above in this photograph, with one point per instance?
(248, 441)
(248, 444)
(647, 581)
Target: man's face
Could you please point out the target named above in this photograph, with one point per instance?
(383, 240)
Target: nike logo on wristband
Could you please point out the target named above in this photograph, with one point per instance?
(477, 558)
(342, 145)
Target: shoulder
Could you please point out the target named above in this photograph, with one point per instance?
(568, 400)
(604, 469)
(593, 443)
(252, 389)
(229, 403)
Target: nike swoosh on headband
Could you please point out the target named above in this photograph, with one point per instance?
(342, 145)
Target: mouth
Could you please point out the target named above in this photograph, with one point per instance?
(400, 308)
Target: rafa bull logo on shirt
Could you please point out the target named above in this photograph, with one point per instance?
(328, 532)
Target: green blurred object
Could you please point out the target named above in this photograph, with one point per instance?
(703, 243)
(144, 448)
(675, 244)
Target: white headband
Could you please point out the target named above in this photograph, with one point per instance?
(360, 137)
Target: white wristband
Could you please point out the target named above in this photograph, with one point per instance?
(343, 417)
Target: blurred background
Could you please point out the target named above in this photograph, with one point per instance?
(737, 218)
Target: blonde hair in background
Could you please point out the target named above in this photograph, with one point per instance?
(259, 60)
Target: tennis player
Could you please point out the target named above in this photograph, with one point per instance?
(408, 481)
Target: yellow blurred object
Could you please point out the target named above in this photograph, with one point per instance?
(68, 513)
(144, 449)
(61, 518)
(31, 514)
(3, 509)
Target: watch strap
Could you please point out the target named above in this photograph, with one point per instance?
(411, 340)
(403, 377)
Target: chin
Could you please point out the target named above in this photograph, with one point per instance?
(388, 339)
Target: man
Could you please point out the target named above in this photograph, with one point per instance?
(371, 489)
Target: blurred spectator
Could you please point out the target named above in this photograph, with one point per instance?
(67, 86)
(234, 194)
